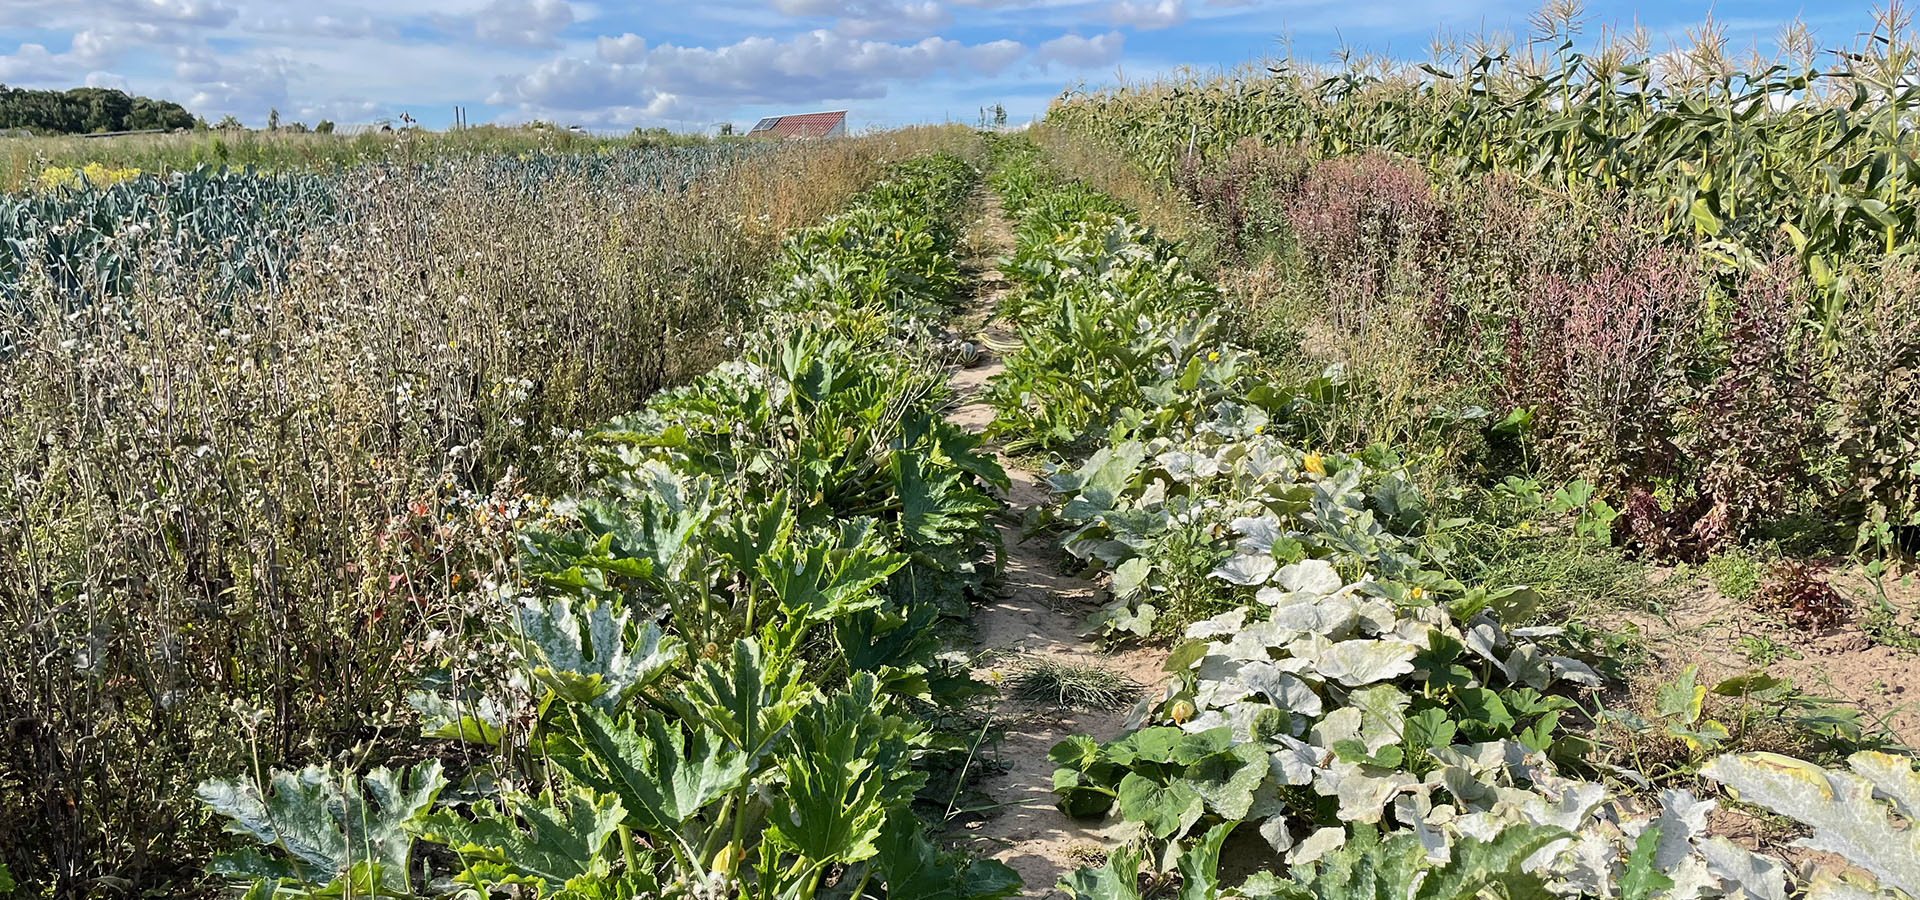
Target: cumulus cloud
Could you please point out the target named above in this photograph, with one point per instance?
(818, 65)
(1148, 14)
(199, 13)
(873, 18)
(246, 85)
(1079, 52)
(33, 62)
(521, 23)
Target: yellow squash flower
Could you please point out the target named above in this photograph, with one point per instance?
(1316, 464)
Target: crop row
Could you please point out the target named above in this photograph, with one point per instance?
(263, 517)
(1712, 393)
(1368, 724)
(235, 230)
(1754, 156)
(719, 656)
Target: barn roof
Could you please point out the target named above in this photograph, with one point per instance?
(818, 124)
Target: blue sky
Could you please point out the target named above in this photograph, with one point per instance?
(689, 65)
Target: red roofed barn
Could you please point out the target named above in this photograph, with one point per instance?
(805, 125)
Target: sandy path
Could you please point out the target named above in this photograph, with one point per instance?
(1040, 612)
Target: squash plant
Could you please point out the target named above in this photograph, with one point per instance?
(721, 657)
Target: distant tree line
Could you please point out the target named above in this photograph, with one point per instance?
(87, 110)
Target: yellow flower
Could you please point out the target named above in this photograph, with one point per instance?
(723, 861)
(1316, 464)
(1213, 356)
(1416, 594)
(96, 174)
(1181, 712)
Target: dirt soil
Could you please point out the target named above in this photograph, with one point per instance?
(1843, 662)
(1040, 612)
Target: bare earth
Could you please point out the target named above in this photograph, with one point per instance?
(1702, 627)
(1039, 613)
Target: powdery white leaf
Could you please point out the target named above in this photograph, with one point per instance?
(1333, 616)
(1683, 818)
(1257, 533)
(1316, 845)
(1225, 624)
(1296, 761)
(1255, 642)
(1281, 689)
(1354, 663)
(1840, 806)
(1363, 797)
(1568, 669)
(1246, 569)
(1316, 575)
(1893, 776)
(1759, 877)
(1130, 577)
(1383, 719)
(1831, 886)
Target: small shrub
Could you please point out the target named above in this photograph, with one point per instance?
(1794, 589)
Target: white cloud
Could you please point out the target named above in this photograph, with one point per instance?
(32, 62)
(816, 66)
(627, 48)
(522, 23)
(1079, 52)
(246, 86)
(873, 18)
(1148, 14)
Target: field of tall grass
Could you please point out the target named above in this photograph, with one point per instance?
(268, 435)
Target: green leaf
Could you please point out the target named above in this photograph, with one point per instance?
(1226, 780)
(1682, 699)
(562, 839)
(584, 658)
(1482, 712)
(1167, 810)
(663, 776)
(848, 767)
(1703, 218)
(325, 824)
(1119, 879)
(1200, 864)
(1477, 864)
(1642, 880)
(911, 866)
(744, 702)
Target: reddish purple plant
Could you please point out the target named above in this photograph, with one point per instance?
(1605, 356)
(1757, 416)
(1360, 221)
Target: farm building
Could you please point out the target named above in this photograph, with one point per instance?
(804, 125)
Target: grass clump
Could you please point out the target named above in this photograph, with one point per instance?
(1072, 685)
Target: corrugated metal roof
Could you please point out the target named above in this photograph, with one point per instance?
(804, 125)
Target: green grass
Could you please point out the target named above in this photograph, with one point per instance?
(1057, 682)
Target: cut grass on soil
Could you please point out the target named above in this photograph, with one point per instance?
(1071, 685)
